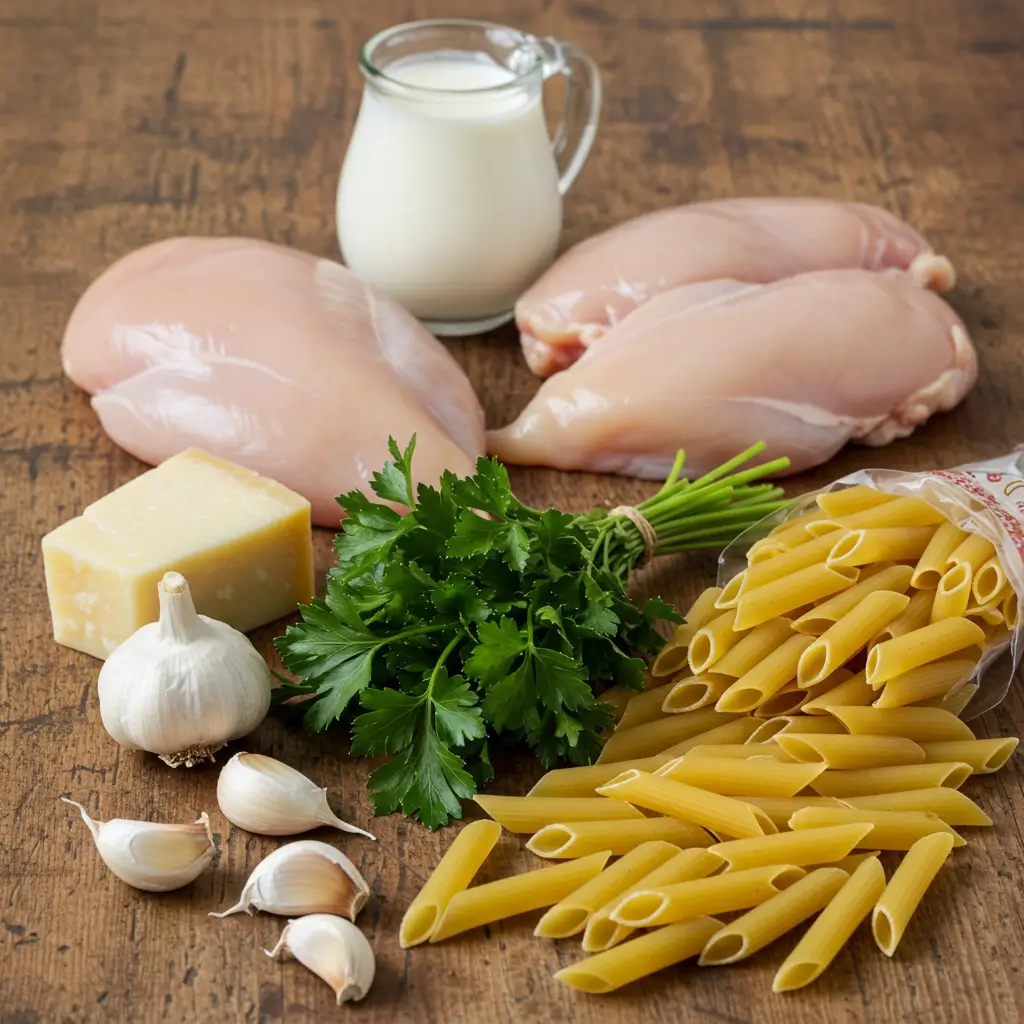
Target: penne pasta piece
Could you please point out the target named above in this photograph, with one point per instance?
(952, 806)
(1010, 608)
(808, 846)
(813, 552)
(765, 680)
(582, 838)
(848, 500)
(891, 830)
(935, 679)
(764, 549)
(872, 781)
(842, 640)
(735, 731)
(988, 581)
(851, 751)
(456, 869)
(754, 647)
(766, 732)
(902, 512)
(832, 928)
(771, 920)
(494, 901)
(792, 591)
(617, 699)
(953, 593)
(672, 656)
(851, 693)
(973, 550)
(712, 641)
(914, 616)
(932, 563)
(643, 707)
(854, 861)
(788, 701)
(799, 725)
(984, 756)
(989, 614)
(956, 701)
(793, 531)
(732, 777)
(606, 972)
(894, 578)
(738, 890)
(781, 809)
(909, 882)
(738, 752)
(718, 814)
(730, 592)
(884, 544)
(532, 813)
(695, 692)
(584, 779)
(570, 915)
(912, 650)
(654, 737)
(602, 932)
(830, 682)
(923, 725)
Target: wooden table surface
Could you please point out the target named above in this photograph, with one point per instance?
(127, 121)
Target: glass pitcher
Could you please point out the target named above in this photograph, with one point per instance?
(450, 197)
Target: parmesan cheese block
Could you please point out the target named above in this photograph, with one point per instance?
(242, 541)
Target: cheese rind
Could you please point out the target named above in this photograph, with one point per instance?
(243, 542)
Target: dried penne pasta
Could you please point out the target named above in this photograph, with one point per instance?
(584, 779)
(851, 693)
(570, 915)
(798, 725)
(836, 751)
(909, 882)
(808, 846)
(766, 732)
(617, 699)
(754, 647)
(788, 701)
(712, 641)
(532, 813)
(781, 809)
(730, 592)
(643, 707)
(883, 544)
(989, 614)
(832, 928)
(854, 861)
(783, 596)
(734, 777)
(608, 971)
(872, 781)
(974, 550)
(914, 616)
(602, 932)
(902, 512)
(1010, 608)
(842, 640)
(984, 756)
(923, 725)
(771, 920)
(932, 563)
(989, 581)
(891, 830)
(764, 549)
(895, 578)
(654, 737)
(956, 701)
(735, 731)
(494, 901)
(454, 872)
(672, 656)
(765, 680)
(952, 806)
(718, 814)
(582, 838)
(739, 752)
(793, 531)
(695, 692)
(935, 679)
(953, 593)
(846, 501)
(929, 643)
(813, 552)
(738, 890)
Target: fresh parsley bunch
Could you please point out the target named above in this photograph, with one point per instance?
(474, 615)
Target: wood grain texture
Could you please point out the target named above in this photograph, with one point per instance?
(125, 121)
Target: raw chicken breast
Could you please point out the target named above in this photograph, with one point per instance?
(805, 364)
(598, 282)
(273, 358)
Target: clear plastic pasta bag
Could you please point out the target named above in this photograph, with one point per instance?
(985, 497)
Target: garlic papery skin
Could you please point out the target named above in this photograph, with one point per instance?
(268, 797)
(150, 855)
(185, 685)
(332, 948)
(307, 877)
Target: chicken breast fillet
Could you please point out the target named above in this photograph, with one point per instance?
(594, 285)
(271, 357)
(805, 364)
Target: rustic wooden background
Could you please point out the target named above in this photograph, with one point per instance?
(126, 121)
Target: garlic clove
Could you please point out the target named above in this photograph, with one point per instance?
(332, 948)
(150, 855)
(307, 877)
(268, 797)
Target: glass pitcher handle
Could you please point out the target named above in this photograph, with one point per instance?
(575, 133)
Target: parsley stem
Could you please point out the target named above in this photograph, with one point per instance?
(440, 663)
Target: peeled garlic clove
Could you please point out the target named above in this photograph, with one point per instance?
(332, 948)
(266, 796)
(150, 855)
(306, 877)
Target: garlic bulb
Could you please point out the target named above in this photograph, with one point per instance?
(306, 877)
(185, 685)
(334, 949)
(150, 855)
